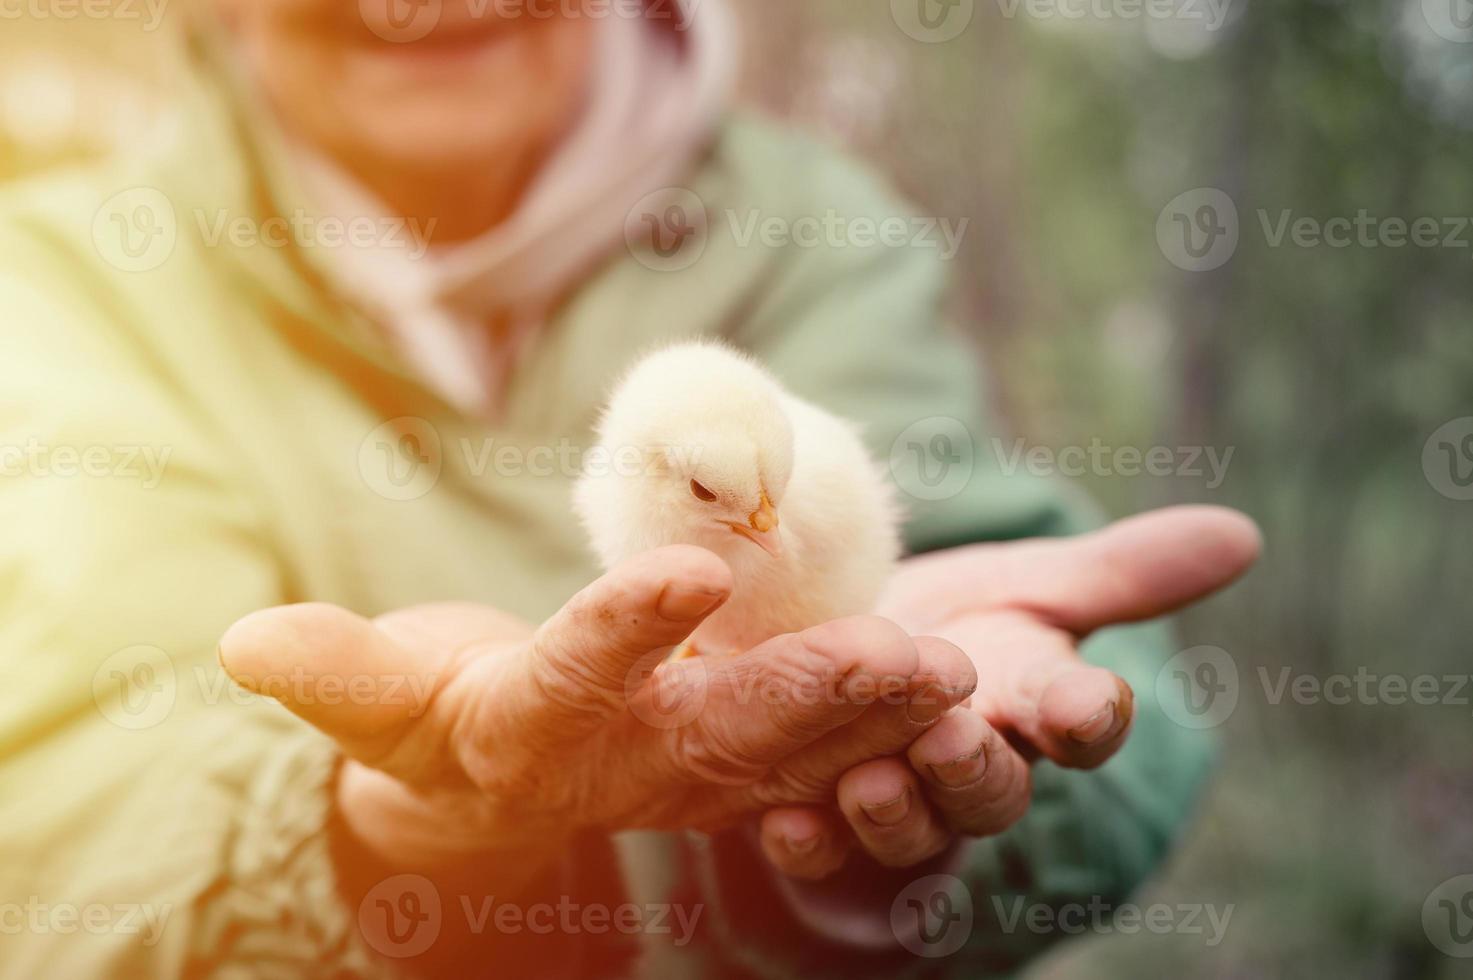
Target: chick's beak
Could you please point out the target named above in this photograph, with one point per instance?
(761, 528)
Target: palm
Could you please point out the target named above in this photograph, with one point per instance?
(1018, 611)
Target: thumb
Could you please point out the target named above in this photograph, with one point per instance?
(586, 660)
(1138, 568)
(1141, 567)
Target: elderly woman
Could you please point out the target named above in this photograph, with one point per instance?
(384, 242)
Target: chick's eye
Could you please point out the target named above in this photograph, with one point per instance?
(701, 493)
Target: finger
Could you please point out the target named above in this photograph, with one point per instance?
(804, 842)
(1037, 689)
(974, 778)
(1138, 568)
(883, 803)
(1084, 717)
(758, 708)
(332, 668)
(585, 660)
(944, 677)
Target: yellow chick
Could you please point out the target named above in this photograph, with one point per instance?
(701, 445)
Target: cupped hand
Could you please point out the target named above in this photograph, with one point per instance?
(528, 736)
(1020, 611)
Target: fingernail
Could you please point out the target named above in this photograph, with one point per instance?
(800, 845)
(680, 604)
(890, 812)
(926, 705)
(1100, 724)
(964, 770)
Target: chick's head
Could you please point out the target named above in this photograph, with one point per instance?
(707, 453)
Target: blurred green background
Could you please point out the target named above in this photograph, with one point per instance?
(1325, 370)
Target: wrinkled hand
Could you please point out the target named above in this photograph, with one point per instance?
(531, 736)
(1019, 611)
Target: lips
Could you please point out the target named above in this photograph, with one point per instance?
(427, 26)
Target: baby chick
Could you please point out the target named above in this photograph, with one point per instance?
(700, 445)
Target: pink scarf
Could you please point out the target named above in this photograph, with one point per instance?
(655, 96)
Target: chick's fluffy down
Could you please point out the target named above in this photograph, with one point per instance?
(702, 411)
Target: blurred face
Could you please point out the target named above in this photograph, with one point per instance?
(418, 87)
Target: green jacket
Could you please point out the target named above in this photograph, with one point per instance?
(190, 438)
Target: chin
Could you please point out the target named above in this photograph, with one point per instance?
(440, 109)
(435, 137)
(449, 113)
